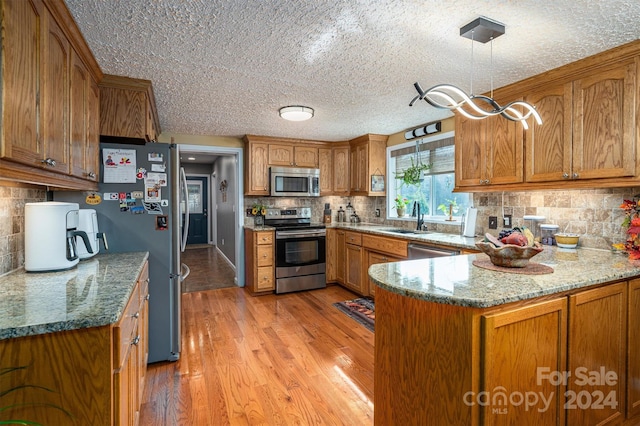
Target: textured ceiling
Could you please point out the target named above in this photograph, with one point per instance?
(224, 68)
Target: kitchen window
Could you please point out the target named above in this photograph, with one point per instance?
(434, 193)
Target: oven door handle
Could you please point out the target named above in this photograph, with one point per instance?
(296, 234)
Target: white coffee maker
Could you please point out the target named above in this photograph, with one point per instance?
(50, 233)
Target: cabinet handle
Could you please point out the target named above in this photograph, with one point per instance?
(576, 176)
(384, 259)
(136, 340)
(91, 175)
(565, 175)
(147, 297)
(136, 315)
(49, 162)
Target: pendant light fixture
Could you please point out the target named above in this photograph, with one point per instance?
(448, 96)
(296, 112)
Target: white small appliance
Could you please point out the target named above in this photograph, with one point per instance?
(50, 235)
(470, 222)
(88, 223)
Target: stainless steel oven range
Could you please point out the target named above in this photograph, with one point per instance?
(300, 249)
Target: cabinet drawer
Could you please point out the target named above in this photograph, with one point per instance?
(264, 255)
(123, 331)
(385, 245)
(265, 278)
(354, 238)
(264, 238)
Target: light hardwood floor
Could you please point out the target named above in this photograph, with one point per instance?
(291, 359)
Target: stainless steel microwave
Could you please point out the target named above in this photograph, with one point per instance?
(294, 181)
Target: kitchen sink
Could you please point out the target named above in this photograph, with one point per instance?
(405, 231)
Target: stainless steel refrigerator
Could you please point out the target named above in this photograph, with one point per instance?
(145, 214)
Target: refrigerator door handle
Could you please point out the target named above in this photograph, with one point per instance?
(185, 228)
(185, 271)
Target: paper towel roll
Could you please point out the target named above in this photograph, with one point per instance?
(470, 222)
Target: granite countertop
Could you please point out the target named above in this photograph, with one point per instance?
(92, 294)
(455, 280)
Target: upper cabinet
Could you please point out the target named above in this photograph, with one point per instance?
(46, 107)
(588, 138)
(128, 110)
(588, 129)
(367, 158)
(488, 152)
(334, 169)
(293, 156)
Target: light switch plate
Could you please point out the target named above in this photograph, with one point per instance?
(507, 221)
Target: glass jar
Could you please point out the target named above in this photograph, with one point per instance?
(548, 232)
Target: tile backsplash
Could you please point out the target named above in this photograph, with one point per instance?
(594, 214)
(12, 201)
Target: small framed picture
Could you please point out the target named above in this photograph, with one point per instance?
(377, 183)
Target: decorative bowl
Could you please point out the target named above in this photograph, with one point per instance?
(567, 240)
(509, 255)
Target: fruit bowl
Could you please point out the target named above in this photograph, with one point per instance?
(509, 255)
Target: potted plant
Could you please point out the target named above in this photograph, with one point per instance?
(413, 175)
(401, 205)
(449, 208)
(258, 211)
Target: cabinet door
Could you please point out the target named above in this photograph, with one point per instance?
(331, 255)
(548, 146)
(280, 155)
(54, 96)
(92, 147)
(633, 351)
(123, 112)
(22, 24)
(341, 243)
(597, 349)
(517, 343)
(325, 162)
(504, 148)
(257, 170)
(80, 95)
(363, 167)
(341, 170)
(353, 166)
(470, 161)
(604, 123)
(353, 268)
(304, 156)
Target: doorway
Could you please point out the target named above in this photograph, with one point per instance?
(198, 199)
(222, 210)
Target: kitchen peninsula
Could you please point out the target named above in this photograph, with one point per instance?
(82, 333)
(457, 344)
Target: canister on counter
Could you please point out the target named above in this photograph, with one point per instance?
(548, 231)
(341, 215)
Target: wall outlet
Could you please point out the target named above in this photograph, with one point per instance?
(377, 212)
(493, 222)
(507, 221)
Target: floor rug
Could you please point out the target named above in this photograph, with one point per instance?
(361, 310)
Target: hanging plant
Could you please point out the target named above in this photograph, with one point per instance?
(413, 175)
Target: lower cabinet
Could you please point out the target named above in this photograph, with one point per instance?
(354, 260)
(569, 360)
(96, 374)
(374, 258)
(259, 261)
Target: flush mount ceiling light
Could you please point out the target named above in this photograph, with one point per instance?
(296, 113)
(448, 96)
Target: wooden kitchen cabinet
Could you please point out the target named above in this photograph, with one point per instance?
(588, 129)
(598, 315)
(259, 261)
(331, 255)
(334, 170)
(367, 157)
(488, 152)
(340, 260)
(381, 250)
(41, 49)
(513, 338)
(128, 110)
(293, 156)
(84, 119)
(97, 373)
(374, 258)
(256, 170)
(578, 349)
(354, 258)
(633, 351)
